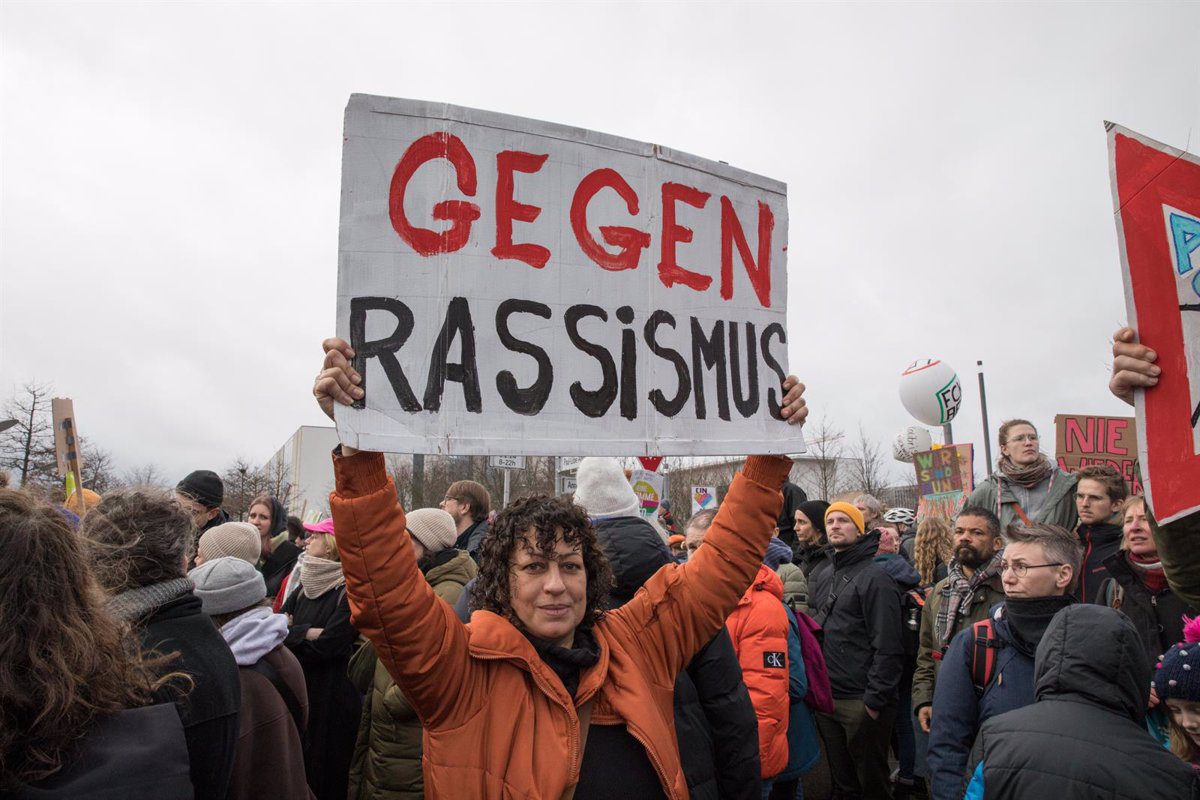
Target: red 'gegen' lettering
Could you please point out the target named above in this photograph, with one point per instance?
(461, 213)
(669, 271)
(508, 209)
(630, 240)
(731, 234)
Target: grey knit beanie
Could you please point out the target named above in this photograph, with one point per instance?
(227, 584)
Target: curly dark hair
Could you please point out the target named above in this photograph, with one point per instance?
(66, 661)
(137, 538)
(550, 518)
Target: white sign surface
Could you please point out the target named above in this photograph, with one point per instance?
(522, 287)
(507, 462)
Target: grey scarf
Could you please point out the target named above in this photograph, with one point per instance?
(137, 603)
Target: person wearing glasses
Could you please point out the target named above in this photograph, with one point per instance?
(989, 667)
(1027, 486)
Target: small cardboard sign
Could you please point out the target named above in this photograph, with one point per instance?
(648, 486)
(1156, 203)
(703, 498)
(66, 437)
(944, 479)
(1083, 441)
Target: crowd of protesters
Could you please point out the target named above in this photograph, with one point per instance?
(1036, 645)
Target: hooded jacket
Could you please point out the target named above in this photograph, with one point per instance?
(859, 608)
(1085, 736)
(498, 720)
(715, 723)
(1099, 543)
(387, 756)
(759, 629)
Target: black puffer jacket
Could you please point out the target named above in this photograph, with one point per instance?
(1085, 736)
(715, 723)
(858, 605)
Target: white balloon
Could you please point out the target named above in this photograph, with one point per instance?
(909, 442)
(930, 390)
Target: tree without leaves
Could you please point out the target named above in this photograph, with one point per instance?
(96, 466)
(824, 441)
(146, 476)
(27, 448)
(868, 466)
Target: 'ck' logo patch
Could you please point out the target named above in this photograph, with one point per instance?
(774, 660)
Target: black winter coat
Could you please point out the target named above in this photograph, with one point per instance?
(210, 711)
(334, 705)
(715, 723)
(279, 565)
(859, 608)
(472, 538)
(1085, 737)
(137, 754)
(1157, 617)
(1100, 542)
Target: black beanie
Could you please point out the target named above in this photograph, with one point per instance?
(815, 511)
(204, 486)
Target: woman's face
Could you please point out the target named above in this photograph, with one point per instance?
(548, 595)
(1186, 714)
(1138, 539)
(260, 517)
(316, 547)
(806, 532)
(1022, 445)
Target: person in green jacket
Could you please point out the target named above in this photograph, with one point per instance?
(959, 600)
(387, 754)
(1134, 368)
(1027, 486)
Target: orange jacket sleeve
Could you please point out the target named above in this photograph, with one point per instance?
(682, 607)
(416, 635)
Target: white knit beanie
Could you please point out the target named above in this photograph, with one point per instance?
(237, 539)
(433, 528)
(602, 489)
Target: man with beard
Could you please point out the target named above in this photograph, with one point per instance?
(989, 668)
(959, 600)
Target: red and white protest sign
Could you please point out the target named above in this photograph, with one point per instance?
(1156, 198)
(520, 287)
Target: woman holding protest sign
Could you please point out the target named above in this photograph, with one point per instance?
(543, 694)
(1027, 486)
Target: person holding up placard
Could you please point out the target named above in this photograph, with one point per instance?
(1134, 368)
(1026, 486)
(544, 694)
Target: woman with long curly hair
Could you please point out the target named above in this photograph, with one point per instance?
(933, 548)
(77, 713)
(544, 693)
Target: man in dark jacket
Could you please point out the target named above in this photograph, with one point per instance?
(1085, 735)
(201, 494)
(469, 503)
(715, 723)
(1039, 569)
(1099, 495)
(860, 612)
(142, 542)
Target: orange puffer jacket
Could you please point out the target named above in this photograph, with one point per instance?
(498, 722)
(759, 629)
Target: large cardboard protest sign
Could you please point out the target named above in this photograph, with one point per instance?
(944, 479)
(1083, 441)
(520, 287)
(1156, 200)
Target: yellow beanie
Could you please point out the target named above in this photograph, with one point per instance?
(850, 511)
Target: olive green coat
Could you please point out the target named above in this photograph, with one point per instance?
(795, 586)
(387, 755)
(1178, 545)
(1058, 508)
(926, 673)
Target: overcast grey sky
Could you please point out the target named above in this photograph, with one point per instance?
(170, 185)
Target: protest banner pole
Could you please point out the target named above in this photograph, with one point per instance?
(506, 474)
(948, 434)
(987, 434)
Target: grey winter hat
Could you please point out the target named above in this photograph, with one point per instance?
(603, 490)
(227, 584)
